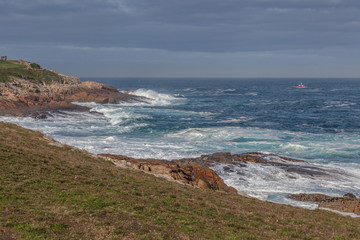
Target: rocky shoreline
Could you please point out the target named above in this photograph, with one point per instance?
(21, 94)
(197, 173)
(347, 203)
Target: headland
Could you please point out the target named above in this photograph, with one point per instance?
(28, 89)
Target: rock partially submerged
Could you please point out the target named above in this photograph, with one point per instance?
(191, 174)
(36, 90)
(228, 158)
(288, 164)
(197, 171)
(347, 203)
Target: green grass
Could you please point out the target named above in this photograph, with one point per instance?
(10, 64)
(10, 70)
(39, 75)
(49, 192)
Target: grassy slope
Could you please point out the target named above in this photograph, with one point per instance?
(9, 69)
(51, 192)
(10, 64)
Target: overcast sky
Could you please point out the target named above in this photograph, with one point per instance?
(185, 38)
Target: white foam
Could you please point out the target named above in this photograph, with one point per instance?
(338, 104)
(236, 120)
(160, 99)
(109, 139)
(276, 184)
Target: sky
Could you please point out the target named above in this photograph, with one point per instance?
(185, 38)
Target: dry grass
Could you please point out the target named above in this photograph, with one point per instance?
(54, 192)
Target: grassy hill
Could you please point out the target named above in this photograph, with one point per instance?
(49, 191)
(21, 69)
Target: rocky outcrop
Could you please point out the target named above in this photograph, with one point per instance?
(22, 96)
(194, 175)
(197, 171)
(228, 158)
(241, 160)
(348, 203)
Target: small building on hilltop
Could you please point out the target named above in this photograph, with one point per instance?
(3, 58)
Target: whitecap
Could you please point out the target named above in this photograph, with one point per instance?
(236, 120)
(156, 98)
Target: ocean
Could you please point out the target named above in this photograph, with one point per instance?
(191, 117)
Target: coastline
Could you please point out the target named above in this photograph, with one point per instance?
(28, 98)
(42, 111)
(56, 185)
(27, 89)
(198, 172)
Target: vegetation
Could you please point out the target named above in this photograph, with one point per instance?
(49, 191)
(35, 66)
(10, 64)
(31, 71)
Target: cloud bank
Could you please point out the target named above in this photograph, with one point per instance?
(190, 27)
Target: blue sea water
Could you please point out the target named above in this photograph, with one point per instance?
(191, 117)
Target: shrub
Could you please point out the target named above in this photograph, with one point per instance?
(35, 66)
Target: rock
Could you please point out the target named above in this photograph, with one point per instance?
(235, 159)
(349, 196)
(240, 160)
(194, 175)
(22, 97)
(197, 172)
(348, 203)
(309, 197)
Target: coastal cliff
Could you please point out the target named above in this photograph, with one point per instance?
(26, 88)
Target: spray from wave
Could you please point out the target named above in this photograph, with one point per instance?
(155, 98)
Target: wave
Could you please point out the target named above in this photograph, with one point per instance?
(338, 104)
(156, 98)
(236, 120)
(118, 115)
(314, 147)
(276, 184)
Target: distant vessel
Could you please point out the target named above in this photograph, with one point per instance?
(301, 85)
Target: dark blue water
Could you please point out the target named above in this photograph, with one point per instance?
(325, 106)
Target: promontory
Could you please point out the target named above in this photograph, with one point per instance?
(28, 89)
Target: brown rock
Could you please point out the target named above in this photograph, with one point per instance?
(21, 97)
(194, 175)
(348, 203)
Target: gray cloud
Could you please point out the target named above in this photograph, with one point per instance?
(192, 25)
(187, 36)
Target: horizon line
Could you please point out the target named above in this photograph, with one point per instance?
(231, 77)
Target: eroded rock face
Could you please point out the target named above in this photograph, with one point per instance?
(194, 175)
(22, 97)
(348, 203)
